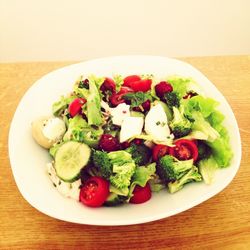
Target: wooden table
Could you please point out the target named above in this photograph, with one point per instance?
(223, 222)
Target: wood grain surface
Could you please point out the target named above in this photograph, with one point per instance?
(222, 222)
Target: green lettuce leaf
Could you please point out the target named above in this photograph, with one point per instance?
(88, 135)
(221, 150)
(79, 130)
(207, 106)
(220, 144)
(75, 123)
(97, 80)
(180, 84)
(59, 106)
(137, 98)
(207, 169)
(141, 176)
(94, 101)
(202, 125)
(81, 92)
(118, 79)
(216, 119)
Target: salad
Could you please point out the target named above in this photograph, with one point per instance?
(117, 140)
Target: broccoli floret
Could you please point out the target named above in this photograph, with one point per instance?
(170, 169)
(118, 167)
(180, 125)
(123, 169)
(122, 175)
(140, 154)
(102, 163)
(191, 175)
(172, 99)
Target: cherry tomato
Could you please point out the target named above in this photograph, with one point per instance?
(108, 85)
(75, 106)
(159, 151)
(163, 87)
(184, 150)
(116, 98)
(109, 143)
(129, 79)
(94, 191)
(141, 194)
(125, 90)
(141, 85)
(125, 145)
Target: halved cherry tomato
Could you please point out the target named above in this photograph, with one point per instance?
(125, 90)
(141, 194)
(141, 85)
(184, 150)
(94, 191)
(116, 98)
(159, 151)
(75, 106)
(129, 79)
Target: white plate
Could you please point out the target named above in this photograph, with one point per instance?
(28, 160)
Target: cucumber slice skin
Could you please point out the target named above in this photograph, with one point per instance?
(114, 200)
(70, 158)
(70, 180)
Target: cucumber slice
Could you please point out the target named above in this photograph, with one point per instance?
(114, 200)
(70, 158)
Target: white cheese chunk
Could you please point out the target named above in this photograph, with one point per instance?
(156, 123)
(70, 190)
(119, 113)
(131, 126)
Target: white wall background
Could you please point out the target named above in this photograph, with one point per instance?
(33, 30)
